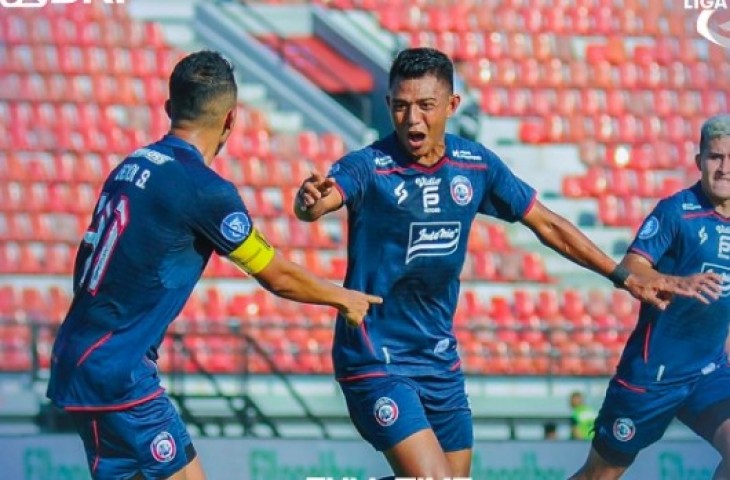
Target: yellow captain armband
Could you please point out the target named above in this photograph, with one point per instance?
(254, 254)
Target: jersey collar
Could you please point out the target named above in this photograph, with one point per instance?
(174, 141)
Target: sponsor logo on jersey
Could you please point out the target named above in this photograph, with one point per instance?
(624, 429)
(235, 227)
(461, 190)
(650, 228)
(153, 156)
(385, 411)
(723, 247)
(430, 191)
(465, 155)
(382, 162)
(400, 192)
(430, 239)
(691, 206)
(721, 270)
(722, 229)
(163, 447)
(428, 182)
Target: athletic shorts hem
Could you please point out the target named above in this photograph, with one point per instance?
(710, 419)
(613, 456)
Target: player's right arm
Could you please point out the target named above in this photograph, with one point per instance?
(704, 287)
(288, 280)
(345, 183)
(317, 196)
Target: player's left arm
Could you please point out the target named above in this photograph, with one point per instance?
(565, 238)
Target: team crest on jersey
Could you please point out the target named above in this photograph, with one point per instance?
(235, 227)
(650, 228)
(163, 447)
(624, 429)
(432, 239)
(385, 411)
(461, 190)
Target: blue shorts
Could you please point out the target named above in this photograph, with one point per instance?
(149, 438)
(633, 418)
(388, 409)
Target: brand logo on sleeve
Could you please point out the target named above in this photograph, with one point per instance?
(235, 227)
(650, 228)
(430, 239)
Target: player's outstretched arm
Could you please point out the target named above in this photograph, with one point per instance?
(565, 238)
(288, 280)
(704, 287)
(316, 196)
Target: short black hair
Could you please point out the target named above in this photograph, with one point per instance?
(422, 61)
(202, 85)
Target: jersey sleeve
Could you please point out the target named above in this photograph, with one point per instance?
(507, 197)
(657, 233)
(219, 216)
(352, 174)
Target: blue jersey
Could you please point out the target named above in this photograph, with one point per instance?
(408, 231)
(684, 235)
(160, 215)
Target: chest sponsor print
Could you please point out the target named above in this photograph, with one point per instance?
(429, 239)
(722, 271)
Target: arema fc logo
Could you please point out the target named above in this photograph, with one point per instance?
(461, 190)
(163, 447)
(385, 411)
(624, 429)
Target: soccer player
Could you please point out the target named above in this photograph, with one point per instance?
(411, 199)
(674, 363)
(161, 214)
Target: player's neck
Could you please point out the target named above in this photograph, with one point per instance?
(431, 158)
(205, 141)
(723, 209)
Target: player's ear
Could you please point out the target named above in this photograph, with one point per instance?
(454, 102)
(230, 121)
